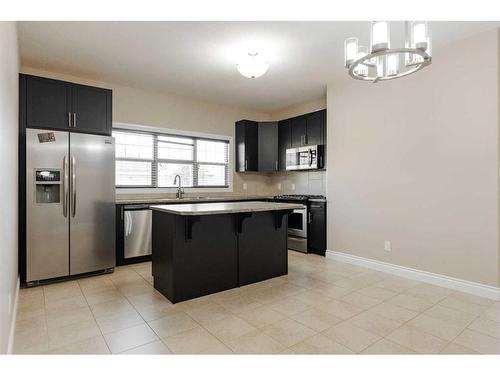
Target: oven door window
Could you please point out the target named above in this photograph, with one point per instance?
(295, 221)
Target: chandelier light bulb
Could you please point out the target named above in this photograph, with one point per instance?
(392, 65)
(253, 66)
(350, 51)
(419, 33)
(380, 36)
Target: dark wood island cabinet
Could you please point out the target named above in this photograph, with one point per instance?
(204, 248)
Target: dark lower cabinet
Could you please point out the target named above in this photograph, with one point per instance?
(91, 109)
(59, 105)
(284, 142)
(47, 102)
(268, 146)
(261, 254)
(317, 228)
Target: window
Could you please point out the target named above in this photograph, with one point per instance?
(152, 160)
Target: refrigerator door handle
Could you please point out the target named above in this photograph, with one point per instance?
(73, 186)
(65, 186)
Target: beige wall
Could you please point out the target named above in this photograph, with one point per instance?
(415, 161)
(299, 109)
(9, 69)
(137, 106)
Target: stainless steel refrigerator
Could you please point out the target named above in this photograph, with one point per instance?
(70, 221)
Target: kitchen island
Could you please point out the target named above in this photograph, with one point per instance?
(204, 248)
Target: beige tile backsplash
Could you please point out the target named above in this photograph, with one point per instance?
(311, 182)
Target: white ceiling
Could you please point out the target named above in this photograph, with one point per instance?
(198, 59)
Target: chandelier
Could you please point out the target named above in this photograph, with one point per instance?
(381, 62)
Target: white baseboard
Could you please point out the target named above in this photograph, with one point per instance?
(471, 287)
(12, 331)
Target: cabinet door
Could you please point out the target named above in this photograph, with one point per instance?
(299, 131)
(47, 103)
(268, 146)
(316, 128)
(284, 142)
(317, 228)
(246, 134)
(91, 108)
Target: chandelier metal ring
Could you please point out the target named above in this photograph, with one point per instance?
(365, 60)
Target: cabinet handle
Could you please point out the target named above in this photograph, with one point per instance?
(310, 218)
(246, 164)
(74, 119)
(69, 119)
(276, 165)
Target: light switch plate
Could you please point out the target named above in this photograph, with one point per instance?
(245, 186)
(387, 246)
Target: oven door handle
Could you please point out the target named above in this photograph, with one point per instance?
(310, 157)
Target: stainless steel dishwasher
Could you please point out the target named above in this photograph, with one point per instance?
(136, 230)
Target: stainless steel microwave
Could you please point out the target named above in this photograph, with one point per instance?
(307, 157)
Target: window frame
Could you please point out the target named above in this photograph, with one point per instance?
(156, 132)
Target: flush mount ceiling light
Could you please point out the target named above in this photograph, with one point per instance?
(253, 66)
(381, 62)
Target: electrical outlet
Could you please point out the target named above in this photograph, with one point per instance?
(245, 186)
(279, 186)
(293, 187)
(387, 246)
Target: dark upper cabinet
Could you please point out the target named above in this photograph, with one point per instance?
(284, 142)
(317, 228)
(47, 101)
(247, 146)
(53, 104)
(268, 146)
(316, 127)
(91, 109)
(299, 126)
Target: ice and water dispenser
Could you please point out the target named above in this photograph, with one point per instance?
(47, 186)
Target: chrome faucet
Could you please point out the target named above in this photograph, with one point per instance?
(180, 192)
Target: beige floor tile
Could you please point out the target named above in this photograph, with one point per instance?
(56, 318)
(29, 324)
(195, 341)
(208, 313)
(289, 306)
(288, 332)
(94, 298)
(479, 342)
(377, 292)
(172, 324)
(443, 329)
(117, 322)
(255, 342)
(157, 310)
(393, 312)
(69, 303)
(130, 338)
(333, 291)
(155, 347)
(340, 309)
(261, 316)
(134, 288)
(316, 319)
(192, 303)
(61, 290)
(71, 333)
(463, 305)
(351, 336)
(320, 344)
(417, 340)
(410, 302)
(29, 313)
(471, 298)
(385, 346)
(486, 326)
(360, 300)
(492, 313)
(96, 284)
(239, 304)
(229, 329)
(34, 341)
(353, 284)
(397, 284)
(456, 349)
(375, 323)
(95, 345)
(312, 298)
(450, 315)
(429, 292)
(151, 297)
(114, 307)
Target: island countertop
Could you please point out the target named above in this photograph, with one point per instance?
(223, 208)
